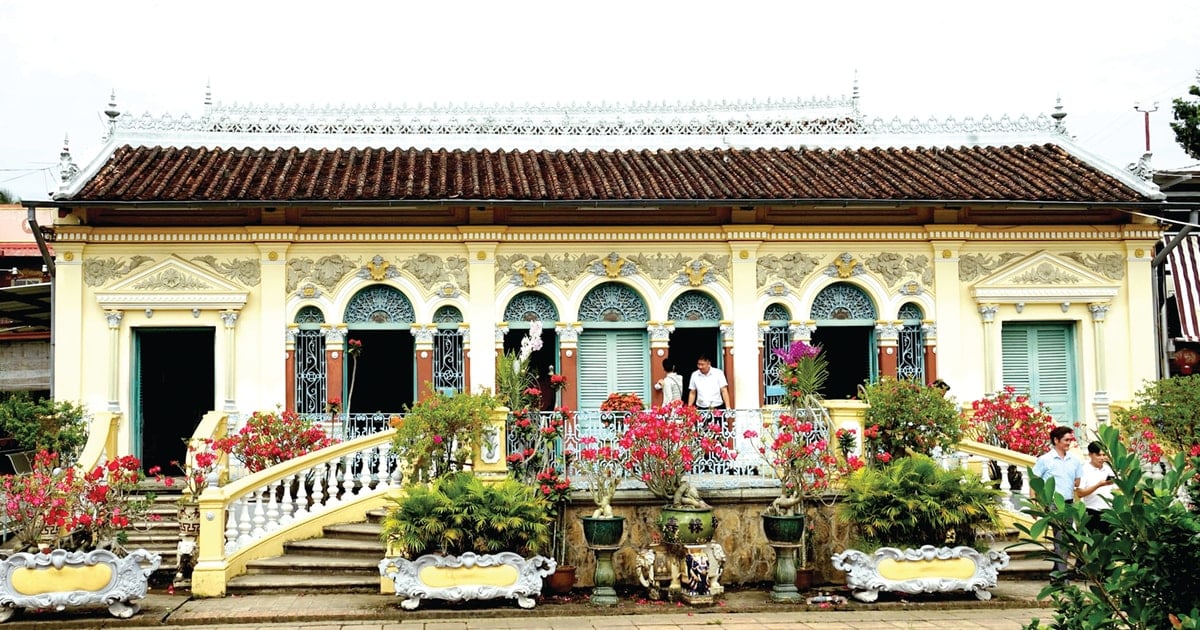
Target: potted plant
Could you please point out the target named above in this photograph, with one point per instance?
(662, 445)
(273, 437)
(459, 538)
(906, 416)
(75, 523)
(1007, 419)
(914, 511)
(199, 468)
(623, 402)
(441, 433)
(808, 457)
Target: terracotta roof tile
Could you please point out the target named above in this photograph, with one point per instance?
(1023, 173)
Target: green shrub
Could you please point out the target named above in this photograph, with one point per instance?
(1173, 407)
(906, 416)
(914, 501)
(459, 513)
(439, 434)
(44, 425)
(1142, 573)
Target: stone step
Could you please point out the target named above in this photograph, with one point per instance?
(291, 564)
(303, 583)
(337, 547)
(354, 531)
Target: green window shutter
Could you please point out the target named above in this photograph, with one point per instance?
(1039, 359)
(611, 361)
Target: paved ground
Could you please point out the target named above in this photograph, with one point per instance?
(1013, 605)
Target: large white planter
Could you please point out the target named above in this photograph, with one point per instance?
(469, 576)
(62, 579)
(926, 570)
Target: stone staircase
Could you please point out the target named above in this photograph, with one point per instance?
(159, 531)
(345, 559)
(1022, 564)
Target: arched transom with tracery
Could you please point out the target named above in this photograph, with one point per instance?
(380, 304)
(613, 302)
(530, 306)
(842, 301)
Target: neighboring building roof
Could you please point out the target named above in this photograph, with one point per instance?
(25, 307)
(1025, 173)
(790, 150)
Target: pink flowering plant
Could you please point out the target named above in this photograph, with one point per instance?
(1008, 419)
(273, 437)
(200, 464)
(663, 444)
(602, 466)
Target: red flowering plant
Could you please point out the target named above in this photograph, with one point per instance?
(273, 437)
(72, 510)
(1009, 420)
(664, 443)
(558, 381)
(905, 417)
(199, 466)
(799, 444)
(623, 401)
(602, 466)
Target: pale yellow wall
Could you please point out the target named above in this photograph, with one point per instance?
(84, 361)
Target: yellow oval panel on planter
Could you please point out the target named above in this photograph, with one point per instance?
(445, 577)
(959, 568)
(48, 580)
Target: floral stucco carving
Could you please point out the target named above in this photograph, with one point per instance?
(1046, 273)
(247, 271)
(894, 267)
(788, 267)
(660, 266)
(171, 280)
(566, 267)
(97, 271)
(326, 271)
(1111, 266)
(702, 270)
(431, 270)
(972, 266)
(614, 266)
(844, 265)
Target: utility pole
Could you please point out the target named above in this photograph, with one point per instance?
(1137, 107)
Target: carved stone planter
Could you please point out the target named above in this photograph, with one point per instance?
(469, 576)
(62, 579)
(926, 570)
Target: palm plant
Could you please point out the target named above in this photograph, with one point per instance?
(459, 513)
(915, 502)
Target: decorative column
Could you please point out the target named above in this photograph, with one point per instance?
(660, 340)
(988, 313)
(568, 361)
(263, 383)
(481, 308)
(763, 326)
(889, 343)
(730, 368)
(335, 341)
(803, 331)
(114, 355)
(930, 330)
(230, 319)
(424, 351)
(948, 307)
(289, 366)
(1100, 399)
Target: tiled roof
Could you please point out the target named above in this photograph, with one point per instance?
(1019, 173)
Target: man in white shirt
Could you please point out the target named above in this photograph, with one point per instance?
(708, 388)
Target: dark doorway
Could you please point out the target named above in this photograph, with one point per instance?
(385, 373)
(543, 361)
(687, 344)
(175, 386)
(848, 350)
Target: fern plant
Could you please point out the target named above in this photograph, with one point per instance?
(914, 502)
(458, 513)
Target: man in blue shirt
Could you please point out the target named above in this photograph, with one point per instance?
(1066, 471)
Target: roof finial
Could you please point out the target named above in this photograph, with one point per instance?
(113, 114)
(854, 98)
(1059, 115)
(66, 166)
(207, 96)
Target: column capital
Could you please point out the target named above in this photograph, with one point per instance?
(114, 318)
(230, 318)
(988, 312)
(1099, 311)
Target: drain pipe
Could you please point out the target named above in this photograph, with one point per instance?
(48, 260)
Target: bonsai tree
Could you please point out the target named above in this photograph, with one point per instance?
(664, 443)
(905, 417)
(458, 513)
(914, 501)
(439, 434)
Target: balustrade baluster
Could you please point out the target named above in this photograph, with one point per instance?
(331, 485)
(348, 476)
(301, 495)
(381, 466)
(260, 515)
(318, 496)
(272, 508)
(286, 507)
(231, 526)
(244, 525)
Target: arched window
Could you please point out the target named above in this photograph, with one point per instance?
(309, 353)
(776, 336)
(380, 305)
(530, 306)
(910, 362)
(448, 355)
(613, 346)
(845, 318)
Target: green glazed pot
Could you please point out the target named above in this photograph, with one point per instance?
(687, 526)
(603, 532)
(783, 529)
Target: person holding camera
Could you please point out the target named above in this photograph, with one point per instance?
(1096, 488)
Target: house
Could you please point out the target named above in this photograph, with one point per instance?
(223, 261)
(24, 304)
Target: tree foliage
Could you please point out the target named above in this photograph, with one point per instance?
(7, 196)
(1187, 125)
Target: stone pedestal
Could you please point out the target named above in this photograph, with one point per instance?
(604, 578)
(785, 589)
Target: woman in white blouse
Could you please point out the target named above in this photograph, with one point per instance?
(1095, 488)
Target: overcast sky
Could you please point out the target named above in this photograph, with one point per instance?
(59, 60)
